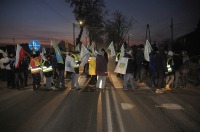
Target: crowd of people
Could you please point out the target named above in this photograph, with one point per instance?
(166, 69)
(46, 69)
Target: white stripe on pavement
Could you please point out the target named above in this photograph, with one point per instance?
(109, 118)
(119, 117)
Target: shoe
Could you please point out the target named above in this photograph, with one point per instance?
(159, 91)
(78, 88)
(91, 85)
(167, 88)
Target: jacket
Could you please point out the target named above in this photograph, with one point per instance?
(101, 66)
(35, 65)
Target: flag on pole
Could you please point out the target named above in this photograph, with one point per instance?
(147, 50)
(77, 47)
(122, 53)
(20, 53)
(57, 52)
(42, 54)
(112, 49)
(84, 55)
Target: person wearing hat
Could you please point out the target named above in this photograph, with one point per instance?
(128, 76)
(169, 70)
(101, 70)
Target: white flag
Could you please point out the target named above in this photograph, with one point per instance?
(147, 50)
(112, 49)
(122, 53)
(84, 55)
(77, 47)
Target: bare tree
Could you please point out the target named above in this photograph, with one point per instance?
(118, 27)
(91, 12)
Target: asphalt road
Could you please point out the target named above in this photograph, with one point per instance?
(109, 110)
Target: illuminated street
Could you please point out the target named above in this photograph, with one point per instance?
(109, 110)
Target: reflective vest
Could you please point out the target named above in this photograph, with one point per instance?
(76, 61)
(169, 67)
(35, 65)
(45, 68)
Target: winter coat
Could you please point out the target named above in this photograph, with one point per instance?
(130, 65)
(101, 66)
(92, 66)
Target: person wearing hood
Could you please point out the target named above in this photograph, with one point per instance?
(128, 76)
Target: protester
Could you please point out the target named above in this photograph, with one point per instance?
(25, 68)
(19, 75)
(75, 63)
(3, 74)
(184, 70)
(169, 71)
(60, 84)
(128, 76)
(48, 71)
(101, 70)
(140, 64)
(92, 70)
(152, 67)
(160, 69)
(105, 54)
(11, 75)
(35, 66)
(177, 65)
(68, 68)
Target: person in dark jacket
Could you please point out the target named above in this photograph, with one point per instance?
(101, 70)
(61, 77)
(25, 65)
(178, 62)
(128, 76)
(160, 69)
(140, 64)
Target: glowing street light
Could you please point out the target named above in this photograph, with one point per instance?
(74, 41)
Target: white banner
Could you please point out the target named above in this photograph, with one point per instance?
(121, 65)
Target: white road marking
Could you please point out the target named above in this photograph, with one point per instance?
(171, 106)
(119, 117)
(126, 106)
(109, 118)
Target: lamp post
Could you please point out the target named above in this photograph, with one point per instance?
(74, 39)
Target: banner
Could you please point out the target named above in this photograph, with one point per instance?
(121, 65)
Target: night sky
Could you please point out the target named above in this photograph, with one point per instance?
(42, 20)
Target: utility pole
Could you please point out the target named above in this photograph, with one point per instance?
(172, 35)
(148, 35)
